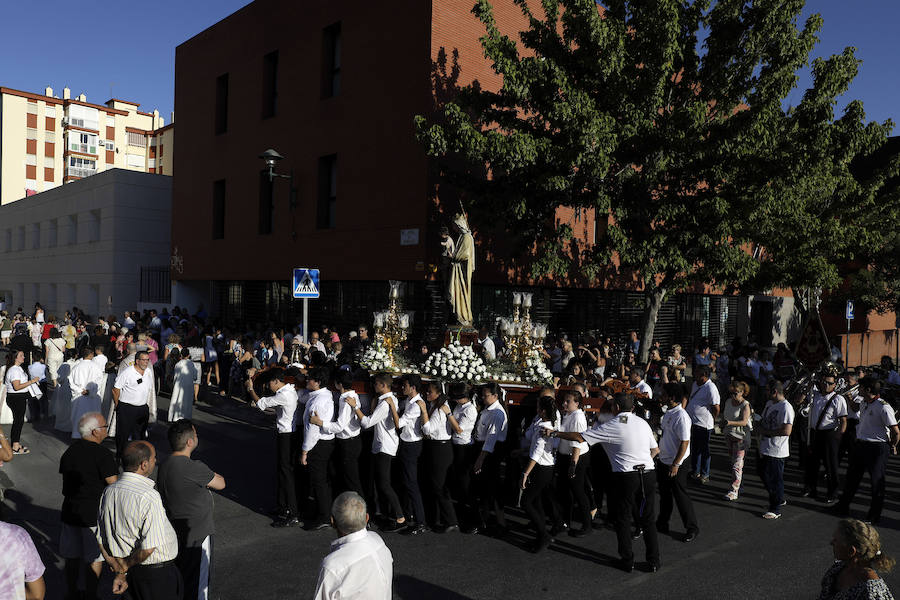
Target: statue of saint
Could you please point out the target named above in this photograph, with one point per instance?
(463, 265)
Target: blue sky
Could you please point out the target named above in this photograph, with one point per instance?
(134, 45)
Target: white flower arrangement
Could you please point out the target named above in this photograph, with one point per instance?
(376, 358)
(536, 370)
(456, 363)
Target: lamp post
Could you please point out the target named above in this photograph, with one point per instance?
(271, 157)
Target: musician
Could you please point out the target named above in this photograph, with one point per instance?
(674, 448)
(876, 437)
(637, 383)
(703, 408)
(827, 423)
(631, 447)
(853, 398)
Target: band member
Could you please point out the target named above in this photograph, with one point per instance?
(827, 423)
(671, 472)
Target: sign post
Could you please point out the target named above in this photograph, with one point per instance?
(306, 286)
(850, 315)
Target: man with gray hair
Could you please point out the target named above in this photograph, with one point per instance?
(359, 565)
(87, 468)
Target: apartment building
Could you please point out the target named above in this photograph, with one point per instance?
(46, 141)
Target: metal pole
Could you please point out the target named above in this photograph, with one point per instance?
(847, 344)
(306, 320)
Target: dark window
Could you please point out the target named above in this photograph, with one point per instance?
(327, 192)
(331, 61)
(222, 103)
(218, 216)
(270, 85)
(266, 203)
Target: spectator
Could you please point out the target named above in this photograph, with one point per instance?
(735, 421)
(359, 565)
(86, 468)
(185, 485)
(20, 563)
(488, 348)
(17, 395)
(703, 408)
(857, 552)
(135, 536)
(774, 445)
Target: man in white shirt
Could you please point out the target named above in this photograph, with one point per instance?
(85, 381)
(347, 432)
(774, 445)
(827, 423)
(100, 358)
(318, 444)
(877, 436)
(315, 343)
(488, 349)
(674, 448)
(412, 415)
(359, 565)
(631, 447)
(131, 395)
(284, 401)
(703, 408)
(637, 383)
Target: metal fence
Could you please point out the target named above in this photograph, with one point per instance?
(156, 285)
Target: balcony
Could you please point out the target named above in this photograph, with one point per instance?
(80, 172)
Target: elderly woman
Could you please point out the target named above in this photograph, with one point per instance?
(857, 553)
(675, 362)
(735, 421)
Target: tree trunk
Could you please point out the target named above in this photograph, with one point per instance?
(652, 303)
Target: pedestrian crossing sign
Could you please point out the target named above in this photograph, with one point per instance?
(306, 283)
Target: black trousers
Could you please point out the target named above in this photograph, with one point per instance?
(537, 490)
(440, 459)
(285, 451)
(156, 583)
(848, 439)
(17, 403)
(627, 499)
(674, 488)
(488, 486)
(390, 503)
(348, 455)
(572, 490)
(408, 454)
(871, 457)
(824, 445)
(461, 481)
(189, 559)
(601, 474)
(317, 465)
(131, 422)
(367, 470)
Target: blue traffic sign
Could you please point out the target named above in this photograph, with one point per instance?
(306, 283)
(850, 310)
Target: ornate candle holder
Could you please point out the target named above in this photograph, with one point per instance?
(392, 325)
(520, 336)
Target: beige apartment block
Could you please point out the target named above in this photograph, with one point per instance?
(46, 141)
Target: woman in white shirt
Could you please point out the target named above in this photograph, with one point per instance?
(538, 474)
(439, 456)
(17, 383)
(572, 464)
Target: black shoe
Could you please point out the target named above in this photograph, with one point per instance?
(690, 536)
(414, 529)
(471, 530)
(580, 533)
(654, 567)
(392, 526)
(558, 529)
(318, 526)
(637, 534)
(625, 565)
(541, 545)
(446, 529)
(289, 522)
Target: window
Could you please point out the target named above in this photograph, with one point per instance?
(331, 61)
(93, 226)
(8, 243)
(326, 217)
(83, 116)
(221, 103)
(73, 229)
(218, 212)
(51, 233)
(20, 238)
(270, 85)
(135, 161)
(83, 142)
(137, 139)
(35, 236)
(266, 203)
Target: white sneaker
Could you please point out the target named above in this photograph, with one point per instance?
(732, 495)
(771, 515)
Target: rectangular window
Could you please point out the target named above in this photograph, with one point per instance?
(35, 236)
(73, 229)
(93, 226)
(137, 139)
(20, 241)
(218, 212)
(83, 142)
(51, 233)
(270, 85)
(266, 203)
(327, 211)
(331, 60)
(221, 103)
(8, 242)
(135, 161)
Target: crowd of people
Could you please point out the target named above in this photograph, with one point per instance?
(422, 456)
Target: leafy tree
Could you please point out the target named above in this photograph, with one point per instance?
(622, 110)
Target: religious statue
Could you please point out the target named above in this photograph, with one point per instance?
(463, 264)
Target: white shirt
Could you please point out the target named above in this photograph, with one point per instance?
(359, 566)
(39, 370)
(835, 407)
(854, 414)
(492, 426)
(676, 428)
(132, 516)
(83, 374)
(875, 419)
(15, 373)
(438, 426)
(133, 387)
(627, 439)
(702, 398)
(644, 388)
(347, 424)
(775, 415)
(574, 421)
(285, 403)
(465, 415)
(542, 449)
(490, 350)
(385, 440)
(411, 420)
(100, 360)
(321, 402)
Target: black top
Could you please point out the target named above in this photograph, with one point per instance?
(84, 467)
(182, 484)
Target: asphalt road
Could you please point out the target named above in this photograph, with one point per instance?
(737, 555)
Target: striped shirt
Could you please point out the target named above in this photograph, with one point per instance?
(132, 516)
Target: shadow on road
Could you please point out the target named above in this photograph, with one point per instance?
(409, 588)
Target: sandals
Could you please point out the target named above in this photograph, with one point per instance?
(22, 450)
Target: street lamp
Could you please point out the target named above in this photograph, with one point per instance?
(271, 158)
